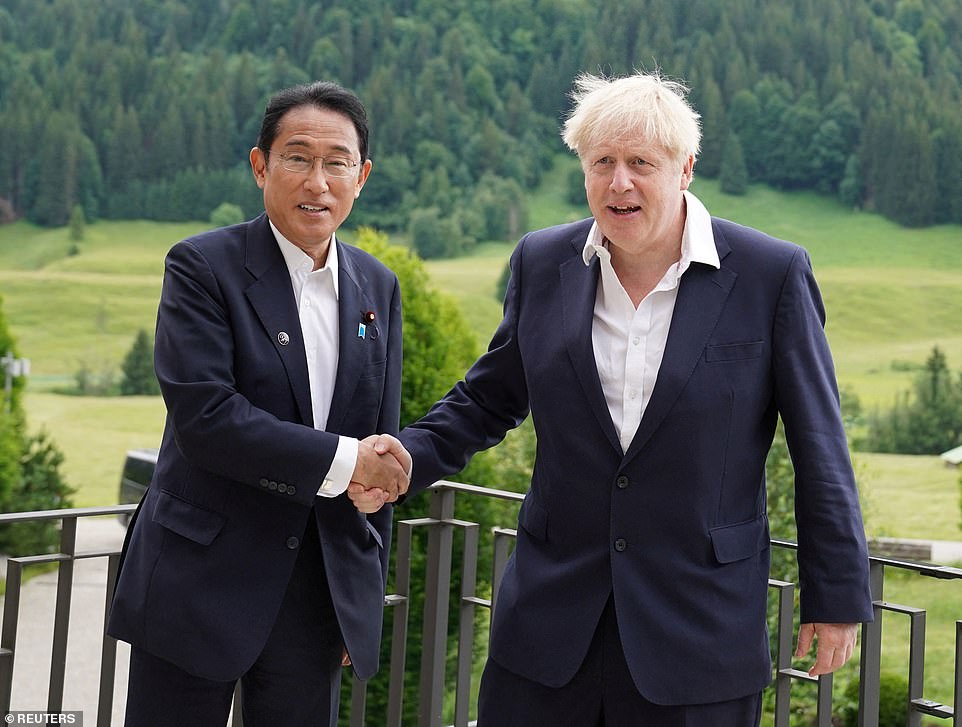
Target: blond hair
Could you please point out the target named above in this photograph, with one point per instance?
(643, 105)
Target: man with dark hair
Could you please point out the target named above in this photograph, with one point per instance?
(277, 347)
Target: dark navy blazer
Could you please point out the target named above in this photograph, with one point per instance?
(209, 556)
(675, 528)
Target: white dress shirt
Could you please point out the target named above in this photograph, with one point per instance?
(629, 342)
(315, 292)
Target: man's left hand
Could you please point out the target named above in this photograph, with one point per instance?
(836, 643)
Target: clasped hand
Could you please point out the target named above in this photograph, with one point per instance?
(381, 474)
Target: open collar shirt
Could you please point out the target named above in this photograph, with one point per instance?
(629, 342)
(315, 292)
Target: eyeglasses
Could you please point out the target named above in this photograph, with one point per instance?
(304, 163)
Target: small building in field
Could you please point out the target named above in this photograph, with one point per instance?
(953, 457)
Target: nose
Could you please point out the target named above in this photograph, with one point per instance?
(620, 178)
(316, 179)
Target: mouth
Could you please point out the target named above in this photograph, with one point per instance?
(314, 209)
(623, 210)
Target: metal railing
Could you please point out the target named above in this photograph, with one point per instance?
(440, 527)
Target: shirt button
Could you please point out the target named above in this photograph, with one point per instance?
(307, 302)
(293, 542)
(632, 394)
(622, 482)
(636, 340)
(621, 544)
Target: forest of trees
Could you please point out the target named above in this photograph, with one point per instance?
(147, 108)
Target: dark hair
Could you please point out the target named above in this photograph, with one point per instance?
(323, 95)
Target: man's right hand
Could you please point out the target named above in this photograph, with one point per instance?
(380, 468)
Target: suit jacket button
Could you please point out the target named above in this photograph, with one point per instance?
(291, 490)
(282, 488)
(622, 482)
(272, 485)
(264, 482)
(621, 544)
(293, 542)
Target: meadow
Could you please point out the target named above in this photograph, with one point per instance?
(891, 294)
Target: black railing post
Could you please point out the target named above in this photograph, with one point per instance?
(399, 632)
(957, 692)
(108, 650)
(437, 597)
(870, 662)
(469, 577)
(8, 634)
(61, 619)
(785, 605)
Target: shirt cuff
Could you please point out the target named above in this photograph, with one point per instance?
(342, 467)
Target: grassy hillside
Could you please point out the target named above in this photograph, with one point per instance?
(891, 294)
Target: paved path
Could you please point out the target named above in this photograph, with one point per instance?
(31, 672)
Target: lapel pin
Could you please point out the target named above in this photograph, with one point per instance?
(367, 319)
(283, 338)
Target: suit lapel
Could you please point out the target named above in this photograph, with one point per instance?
(352, 303)
(701, 298)
(272, 297)
(579, 284)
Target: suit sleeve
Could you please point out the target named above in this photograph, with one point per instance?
(479, 410)
(215, 425)
(832, 552)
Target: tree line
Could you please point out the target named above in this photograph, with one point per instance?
(147, 108)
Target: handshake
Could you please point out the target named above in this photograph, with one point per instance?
(382, 473)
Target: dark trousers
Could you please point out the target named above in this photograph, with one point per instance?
(295, 681)
(601, 694)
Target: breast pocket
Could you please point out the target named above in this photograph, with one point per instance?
(733, 351)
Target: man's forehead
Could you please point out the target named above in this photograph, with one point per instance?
(308, 125)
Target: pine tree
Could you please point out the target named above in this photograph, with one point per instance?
(734, 173)
(77, 223)
(138, 367)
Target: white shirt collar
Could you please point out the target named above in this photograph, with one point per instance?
(697, 242)
(300, 264)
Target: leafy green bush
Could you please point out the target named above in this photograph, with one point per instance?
(39, 486)
(893, 702)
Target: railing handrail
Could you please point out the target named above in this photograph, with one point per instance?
(441, 525)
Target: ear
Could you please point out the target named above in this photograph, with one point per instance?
(259, 166)
(687, 172)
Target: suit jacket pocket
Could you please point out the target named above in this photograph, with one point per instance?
(534, 518)
(186, 519)
(741, 540)
(734, 351)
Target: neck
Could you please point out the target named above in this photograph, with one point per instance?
(318, 252)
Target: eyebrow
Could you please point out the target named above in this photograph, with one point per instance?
(306, 145)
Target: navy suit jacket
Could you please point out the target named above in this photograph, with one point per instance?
(676, 527)
(211, 551)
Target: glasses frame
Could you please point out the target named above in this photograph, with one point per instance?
(334, 172)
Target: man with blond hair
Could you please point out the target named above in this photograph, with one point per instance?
(655, 347)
